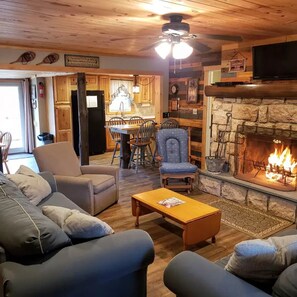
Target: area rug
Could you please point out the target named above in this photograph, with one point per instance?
(250, 221)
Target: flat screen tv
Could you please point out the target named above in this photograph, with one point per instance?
(275, 61)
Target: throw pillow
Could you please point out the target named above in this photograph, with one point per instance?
(25, 231)
(285, 285)
(31, 184)
(75, 224)
(263, 260)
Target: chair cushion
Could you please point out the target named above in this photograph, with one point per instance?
(100, 182)
(75, 224)
(173, 145)
(185, 167)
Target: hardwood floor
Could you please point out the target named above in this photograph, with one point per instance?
(167, 237)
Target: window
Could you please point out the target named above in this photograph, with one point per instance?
(12, 114)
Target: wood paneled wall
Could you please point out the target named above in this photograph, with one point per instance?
(190, 114)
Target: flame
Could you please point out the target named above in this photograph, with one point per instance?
(282, 159)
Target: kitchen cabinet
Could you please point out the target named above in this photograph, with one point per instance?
(91, 82)
(145, 90)
(104, 85)
(62, 105)
(110, 144)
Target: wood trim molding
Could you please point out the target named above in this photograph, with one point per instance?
(280, 90)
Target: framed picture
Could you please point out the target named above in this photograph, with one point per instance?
(174, 105)
(192, 95)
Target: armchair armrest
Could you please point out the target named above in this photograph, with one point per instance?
(78, 189)
(190, 275)
(85, 269)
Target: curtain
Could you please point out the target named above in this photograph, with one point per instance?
(29, 134)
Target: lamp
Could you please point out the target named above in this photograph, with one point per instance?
(135, 88)
(180, 49)
(163, 49)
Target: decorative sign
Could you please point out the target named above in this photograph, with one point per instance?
(192, 91)
(81, 61)
(237, 65)
(174, 105)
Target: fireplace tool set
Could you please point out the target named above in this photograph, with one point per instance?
(217, 163)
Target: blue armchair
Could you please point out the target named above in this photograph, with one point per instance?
(175, 169)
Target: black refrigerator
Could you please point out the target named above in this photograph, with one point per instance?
(96, 122)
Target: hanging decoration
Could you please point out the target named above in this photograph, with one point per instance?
(49, 59)
(237, 62)
(25, 58)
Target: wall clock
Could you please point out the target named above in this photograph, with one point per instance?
(174, 89)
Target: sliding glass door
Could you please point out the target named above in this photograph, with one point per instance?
(12, 113)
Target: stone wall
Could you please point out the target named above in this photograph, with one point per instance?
(272, 113)
(246, 196)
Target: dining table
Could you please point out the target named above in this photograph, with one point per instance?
(125, 131)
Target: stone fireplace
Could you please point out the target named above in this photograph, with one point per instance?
(256, 128)
(266, 156)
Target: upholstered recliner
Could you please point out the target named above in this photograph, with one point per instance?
(173, 146)
(92, 187)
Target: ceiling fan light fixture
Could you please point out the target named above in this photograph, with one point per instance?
(181, 50)
(163, 49)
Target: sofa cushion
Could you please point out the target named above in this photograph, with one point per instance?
(100, 182)
(286, 285)
(31, 184)
(25, 231)
(263, 260)
(75, 224)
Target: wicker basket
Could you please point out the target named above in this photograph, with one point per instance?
(214, 164)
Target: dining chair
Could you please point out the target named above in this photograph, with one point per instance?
(140, 145)
(116, 137)
(6, 140)
(136, 120)
(169, 124)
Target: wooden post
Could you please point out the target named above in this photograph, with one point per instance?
(82, 119)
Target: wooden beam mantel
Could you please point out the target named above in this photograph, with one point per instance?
(281, 90)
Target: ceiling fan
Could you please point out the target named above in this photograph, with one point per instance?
(177, 32)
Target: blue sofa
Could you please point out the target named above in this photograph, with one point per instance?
(190, 275)
(110, 266)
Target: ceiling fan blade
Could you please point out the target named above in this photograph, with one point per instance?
(217, 36)
(202, 48)
(150, 46)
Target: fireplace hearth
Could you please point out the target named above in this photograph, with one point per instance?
(266, 156)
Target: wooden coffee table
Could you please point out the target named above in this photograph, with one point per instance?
(199, 221)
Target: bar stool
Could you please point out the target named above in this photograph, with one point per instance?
(116, 137)
(141, 149)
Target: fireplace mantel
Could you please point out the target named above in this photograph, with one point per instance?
(268, 90)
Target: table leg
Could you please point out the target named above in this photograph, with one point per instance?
(137, 213)
(125, 150)
(1, 164)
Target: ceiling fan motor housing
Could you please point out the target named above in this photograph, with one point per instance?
(176, 26)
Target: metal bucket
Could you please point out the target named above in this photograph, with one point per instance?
(215, 164)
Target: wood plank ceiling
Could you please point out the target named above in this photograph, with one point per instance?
(124, 27)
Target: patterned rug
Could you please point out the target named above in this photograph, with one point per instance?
(251, 221)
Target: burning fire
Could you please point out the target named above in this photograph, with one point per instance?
(281, 165)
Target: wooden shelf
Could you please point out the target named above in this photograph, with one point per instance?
(273, 90)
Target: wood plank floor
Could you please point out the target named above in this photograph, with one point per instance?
(166, 236)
